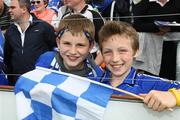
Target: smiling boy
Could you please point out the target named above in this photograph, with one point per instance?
(75, 41)
(119, 45)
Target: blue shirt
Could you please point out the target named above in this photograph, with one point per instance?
(3, 80)
(49, 60)
(141, 83)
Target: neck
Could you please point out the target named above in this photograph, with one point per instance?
(39, 12)
(117, 80)
(24, 22)
(79, 7)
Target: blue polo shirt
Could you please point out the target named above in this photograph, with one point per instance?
(141, 83)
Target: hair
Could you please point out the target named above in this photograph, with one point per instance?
(76, 24)
(46, 2)
(111, 28)
(25, 3)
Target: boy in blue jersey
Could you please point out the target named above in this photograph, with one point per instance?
(119, 46)
(75, 41)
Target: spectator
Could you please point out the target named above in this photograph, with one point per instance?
(158, 43)
(119, 45)
(43, 13)
(4, 16)
(112, 9)
(75, 41)
(26, 40)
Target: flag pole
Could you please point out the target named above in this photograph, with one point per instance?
(128, 93)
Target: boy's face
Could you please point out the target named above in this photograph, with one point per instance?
(118, 55)
(74, 50)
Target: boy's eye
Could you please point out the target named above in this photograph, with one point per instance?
(66, 43)
(106, 52)
(80, 45)
(123, 50)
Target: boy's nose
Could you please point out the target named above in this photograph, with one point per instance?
(115, 57)
(73, 50)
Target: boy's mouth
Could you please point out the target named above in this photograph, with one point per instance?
(72, 58)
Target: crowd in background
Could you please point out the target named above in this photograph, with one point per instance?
(25, 42)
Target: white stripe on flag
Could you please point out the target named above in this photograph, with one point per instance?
(21, 102)
(36, 75)
(74, 86)
(88, 111)
(42, 92)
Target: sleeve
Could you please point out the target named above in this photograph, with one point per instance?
(45, 60)
(7, 53)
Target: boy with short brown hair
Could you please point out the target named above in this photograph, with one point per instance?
(119, 46)
(75, 41)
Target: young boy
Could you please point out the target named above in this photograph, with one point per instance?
(119, 46)
(75, 41)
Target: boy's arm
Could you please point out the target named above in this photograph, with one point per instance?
(160, 100)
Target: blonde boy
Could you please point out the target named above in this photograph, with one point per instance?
(119, 46)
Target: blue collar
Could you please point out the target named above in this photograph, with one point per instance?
(129, 79)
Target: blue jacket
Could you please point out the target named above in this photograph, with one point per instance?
(48, 60)
(3, 80)
(141, 83)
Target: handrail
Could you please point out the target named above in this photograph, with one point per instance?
(11, 89)
(6, 88)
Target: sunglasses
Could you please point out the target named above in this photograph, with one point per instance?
(34, 2)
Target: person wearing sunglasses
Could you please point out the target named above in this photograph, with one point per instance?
(42, 12)
(75, 40)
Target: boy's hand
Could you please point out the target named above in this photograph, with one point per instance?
(159, 100)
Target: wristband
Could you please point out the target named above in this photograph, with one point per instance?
(176, 94)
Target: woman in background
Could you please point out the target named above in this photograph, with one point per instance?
(42, 12)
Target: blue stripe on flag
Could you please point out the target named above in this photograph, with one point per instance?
(41, 110)
(64, 102)
(100, 95)
(30, 117)
(25, 85)
(54, 79)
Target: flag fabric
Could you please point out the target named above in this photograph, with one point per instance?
(44, 94)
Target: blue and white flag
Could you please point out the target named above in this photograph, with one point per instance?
(44, 94)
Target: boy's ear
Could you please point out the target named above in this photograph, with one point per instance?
(136, 54)
(57, 41)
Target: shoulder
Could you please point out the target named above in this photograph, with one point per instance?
(146, 76)
(46, 59)
(40, 23)
(11, 30)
